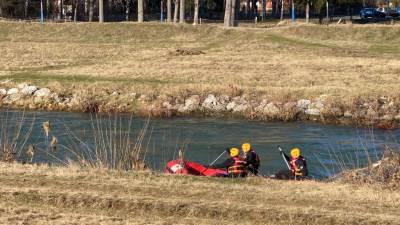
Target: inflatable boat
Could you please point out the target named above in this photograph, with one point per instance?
(191, 168)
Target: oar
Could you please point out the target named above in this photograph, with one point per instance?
(284, 159)
(217, 158)
(212, 162)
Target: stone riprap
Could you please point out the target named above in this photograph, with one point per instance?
(382, 112)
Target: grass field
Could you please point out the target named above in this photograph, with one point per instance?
(42, 195)
(282, 62)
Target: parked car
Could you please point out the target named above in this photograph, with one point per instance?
(393, 12)
(389, 11)
(371, 13)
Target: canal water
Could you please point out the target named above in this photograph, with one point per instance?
(328, 148)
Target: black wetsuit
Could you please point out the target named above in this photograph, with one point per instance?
(252, 162)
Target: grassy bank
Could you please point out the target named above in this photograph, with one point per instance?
(348, 65)
(42, 195)
(304, 61)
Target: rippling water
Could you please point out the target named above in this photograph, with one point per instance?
(328, 148)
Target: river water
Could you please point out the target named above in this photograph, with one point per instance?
(327, 148)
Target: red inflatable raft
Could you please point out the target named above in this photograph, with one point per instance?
(191, 168)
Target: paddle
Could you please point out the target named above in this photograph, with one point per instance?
(217, 158)
(212, 163)
(284, 159)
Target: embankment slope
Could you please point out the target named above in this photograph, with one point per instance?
(41, 195)
(340, 73)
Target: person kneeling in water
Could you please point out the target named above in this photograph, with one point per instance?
(298, 166)
(235, 165)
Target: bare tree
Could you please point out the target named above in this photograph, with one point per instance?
(60, 9)
(233, 16)
(86, 10)
(76, 11)
(128, 9)
(228, 12)
(26, 9)
(327, 11)
(47, 9)
(101, 11)
(196, 12)
(140, 11)
(247, 9)
(263, 11)
(182, 11)
(169, 6)
(176, 10)
(308, 11)
(282, 6)
(91, 10)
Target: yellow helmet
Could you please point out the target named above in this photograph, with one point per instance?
(246, 147)
(295, 153)
(234, 152)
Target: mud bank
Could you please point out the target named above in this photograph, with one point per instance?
(382, 112)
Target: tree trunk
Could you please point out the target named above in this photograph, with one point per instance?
(101, 11)
(282, 6)
(182, 12)
(169, 6)
(228, 12)
(60, 9)
(327, 11)
(233, 13)
(86, 10)
(176, 10)
(162, 11)
(26, 9)
(308, 11)
(293, 12)
(127, 10)
(47, 9)
(247, 8)
(264, 12)
(76, 11)
(196, 12)
(140, 11)
(91, 10)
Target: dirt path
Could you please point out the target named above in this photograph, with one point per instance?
(42, 195)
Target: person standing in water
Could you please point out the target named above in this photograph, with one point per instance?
(298, 166)
(252, 158)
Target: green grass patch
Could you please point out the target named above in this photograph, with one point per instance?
(38, 77)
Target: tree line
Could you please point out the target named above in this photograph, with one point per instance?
(169, 10)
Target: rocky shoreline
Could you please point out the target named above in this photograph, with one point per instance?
(382, 112)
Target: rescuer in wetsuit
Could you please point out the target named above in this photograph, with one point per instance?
(252, 159)
(298, 166)
(235, 165)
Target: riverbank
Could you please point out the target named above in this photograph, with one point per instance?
(383, 112)
(346, 74)
(57, 195)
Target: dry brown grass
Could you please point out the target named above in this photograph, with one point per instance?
(280, 62)
(385, 173)
(40, 195)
